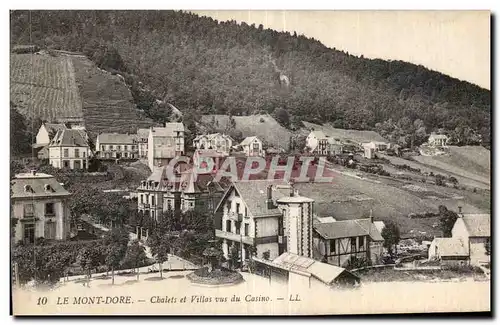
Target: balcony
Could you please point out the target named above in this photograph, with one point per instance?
(234, 237)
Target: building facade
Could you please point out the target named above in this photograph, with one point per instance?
(142, 143)
(438, 140)
(117, 146)
(165, 143)
(216, 141)
(252, 147)
(41, 207)
(475, 231)
(69, 149)
(317, 142)
(268, 217)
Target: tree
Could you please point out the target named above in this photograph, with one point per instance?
(89, 258)
(160, 247)
(214, 256)
(282, 116)
(135, 256)
(391, 235)
(447, 220)
(115, 243)
(20, 140)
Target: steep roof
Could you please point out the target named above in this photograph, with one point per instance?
(438, 136)
(116, 138)
(209, 153)
(38, 185)
(69, 137)
(52, 128)
(319, 134)
(478, 225)
(348, 228)
(248, 140)
(290, 262)
(450, 247)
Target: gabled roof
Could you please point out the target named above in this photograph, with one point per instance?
(209, 153)
(438, 136)
(39, 185)
(69, 137)
(450, 247)
(116, 138)
(143, 133)
(290, 262)
(348, 228)
(248, 140)
(52, 128)
(478, 225)
(254, 195)
(212, 136)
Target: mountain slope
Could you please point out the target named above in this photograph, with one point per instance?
(207, 67)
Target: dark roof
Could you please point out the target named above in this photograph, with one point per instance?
(478, 225)
(52, 128)
(254, 194)
(39, 185)
(69, 137)
(348, 228)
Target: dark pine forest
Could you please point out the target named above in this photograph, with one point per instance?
(203, 66)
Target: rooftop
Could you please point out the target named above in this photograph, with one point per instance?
(116, 138)
(450, 247)
(248, 140)
(478, 225)
(29, 185)
(348, 228)
(169, 130)
(69, 137)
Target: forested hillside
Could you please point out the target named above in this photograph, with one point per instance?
(206, 67)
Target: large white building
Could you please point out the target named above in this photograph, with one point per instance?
(69, 149)
(217, 141)
(142, 142)
(41, 206)
(117, 146)
(165, 143)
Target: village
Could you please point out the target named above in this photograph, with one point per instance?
(275, 225)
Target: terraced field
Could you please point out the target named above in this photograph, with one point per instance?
(44, 86)
(107, 102)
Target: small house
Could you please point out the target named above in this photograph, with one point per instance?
(450, 251)
(438, 140)
(252, 147)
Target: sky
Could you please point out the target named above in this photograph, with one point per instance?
(456, 43)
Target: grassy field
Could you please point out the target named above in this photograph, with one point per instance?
(472, 162)
(351, 197)
(263, 126)
(107, 102)
(390, 274)
(353, 135)
(44, 86)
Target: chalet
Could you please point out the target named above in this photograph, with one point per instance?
(69, 149)
(266, 214)
(252, 147)
(471, 234)
(438, 140)
(317, 142)
(370, 148)
(117, 146)
(339, 241)
(45, 134)
(142, 143)
(165, 143)
(216, 141)
(158, 194)
(41, 206)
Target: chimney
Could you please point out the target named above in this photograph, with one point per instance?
(33, 172)
(460, 214)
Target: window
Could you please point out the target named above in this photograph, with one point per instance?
(361, 242)
(238, 227)
(333, 246)
(111, 147)
(353, 244)
(153, 214)
(169, 205)
(83, 154)
(50, 230)
(102, 148)
(228, 225)
(66, 153)
(237, 208)
(65, 163)
(246, 229)
(29, 233)
(29, 210)
(125, 155)
(142, 198)
(125, 147)
(49, 209)
(77, 153)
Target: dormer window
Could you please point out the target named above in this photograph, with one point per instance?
(28, 189)
(48, 188)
